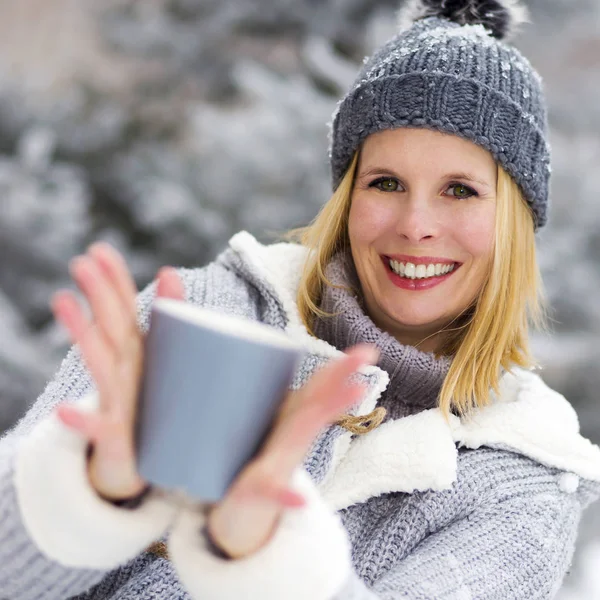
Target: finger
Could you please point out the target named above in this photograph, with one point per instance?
(259, 483)
(113, 461)
(336, 372)
(112, 321)
(96, 354)
(339, 369)
(88, 425)
(288, 446)
(322, 400)
(280, 494)
(115, 268)
(105, 431)
(329, 391)
(267, 488)
(170, 284)
(290, 499)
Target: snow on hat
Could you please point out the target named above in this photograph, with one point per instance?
(450, 69)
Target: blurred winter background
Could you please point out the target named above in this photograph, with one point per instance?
(165, 126)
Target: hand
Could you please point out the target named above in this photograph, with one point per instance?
(245, 519)
(112, 347)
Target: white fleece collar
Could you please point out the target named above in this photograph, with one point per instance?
(420, 451)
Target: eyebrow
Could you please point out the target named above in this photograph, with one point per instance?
(458, 175)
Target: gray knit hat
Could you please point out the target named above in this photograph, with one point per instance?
(449, 69)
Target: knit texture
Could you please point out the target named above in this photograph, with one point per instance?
(505, 529)
(416, 377)
(456, 79)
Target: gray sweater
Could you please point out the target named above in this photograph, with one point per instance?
(485, 507)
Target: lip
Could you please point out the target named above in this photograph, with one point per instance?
(421, 260)
(415, 284)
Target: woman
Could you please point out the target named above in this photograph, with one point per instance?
(455, 472)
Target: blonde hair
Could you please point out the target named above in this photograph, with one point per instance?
(491, 333)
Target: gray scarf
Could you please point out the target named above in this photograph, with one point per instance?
(416, 377)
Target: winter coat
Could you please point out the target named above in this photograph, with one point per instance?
(484, 507)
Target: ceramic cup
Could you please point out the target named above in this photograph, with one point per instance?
(211, 387)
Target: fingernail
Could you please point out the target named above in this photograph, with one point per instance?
(368, 353)
(291, 499)
(76, 262)
(98, 245)
(68, 416)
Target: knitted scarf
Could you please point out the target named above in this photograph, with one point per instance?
(416, 377)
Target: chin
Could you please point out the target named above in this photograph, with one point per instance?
(414, 319)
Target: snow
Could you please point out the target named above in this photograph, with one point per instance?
(165, 126)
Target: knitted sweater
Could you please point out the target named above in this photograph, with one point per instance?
(485, 507)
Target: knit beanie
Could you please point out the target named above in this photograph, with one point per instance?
(450, 69)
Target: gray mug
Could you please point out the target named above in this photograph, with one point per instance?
(211, 387)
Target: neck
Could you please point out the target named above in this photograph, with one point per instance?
(431, 340)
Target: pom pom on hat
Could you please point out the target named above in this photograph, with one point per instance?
(500, 17)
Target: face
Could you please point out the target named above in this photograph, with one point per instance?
(421, 198)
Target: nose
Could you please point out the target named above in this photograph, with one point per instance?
(417, 220)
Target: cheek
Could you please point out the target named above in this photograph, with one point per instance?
(475, 233)
(368, 219)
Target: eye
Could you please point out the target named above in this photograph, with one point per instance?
(462, 191)
(386, 184)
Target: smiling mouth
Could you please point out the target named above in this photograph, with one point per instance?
(412, 272)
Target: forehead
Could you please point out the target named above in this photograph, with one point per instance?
(422, 148)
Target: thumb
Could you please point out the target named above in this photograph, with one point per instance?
(170, 284)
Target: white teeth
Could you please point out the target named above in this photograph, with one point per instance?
(412, 271)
